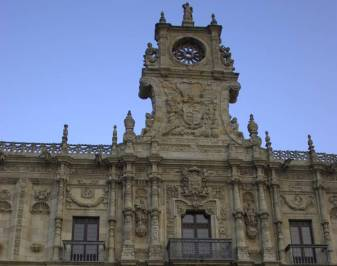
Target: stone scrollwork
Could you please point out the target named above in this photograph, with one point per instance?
(191, 110)
(5, 197)
(298, 202)
(194, 185)
(250, 216)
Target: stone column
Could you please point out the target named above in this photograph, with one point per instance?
(128, 250)
(112, 217)
(320, 194)
(155, 248)
(267, 246)
(242, 249)
(61, 183)
(275, 190)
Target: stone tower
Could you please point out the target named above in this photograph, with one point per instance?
(190, 80)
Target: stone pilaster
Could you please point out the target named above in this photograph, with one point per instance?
(111, 218)
(155, 248)
(267, 246)
(275, 190)
(320, 195)
(61, 183)
(19, 217)
(128, 249)
(242, 249)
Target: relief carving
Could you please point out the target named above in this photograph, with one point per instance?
(89, 200)
(141, 213)
(191, 110)
(194, 185)
(298, 202)
(250, 216)
(41, 206)
(5, 197)
(333, 213)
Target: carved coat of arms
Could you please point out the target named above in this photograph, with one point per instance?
(191, 110)
(194, 185)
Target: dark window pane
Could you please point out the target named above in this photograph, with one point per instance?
(188, 233)
(92, 232)
(203, 233)
(79, 232)
(188, 218)
(295, 235)
(202, 219)
(306, 235)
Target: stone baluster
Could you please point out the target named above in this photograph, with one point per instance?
(155, 248)
(242, 250)
(275, 190)
(112, 215)
(268, 252)
(128, 250)
(61, 184)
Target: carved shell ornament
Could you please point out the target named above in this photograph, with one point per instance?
(298, 202)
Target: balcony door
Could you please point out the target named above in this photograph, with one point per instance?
(301, 236)
(196, 226)
(84, 239)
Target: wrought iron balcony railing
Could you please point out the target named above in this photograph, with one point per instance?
(199, 250)
(308, 254)
(83, 251)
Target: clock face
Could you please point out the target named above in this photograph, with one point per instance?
(188, 51)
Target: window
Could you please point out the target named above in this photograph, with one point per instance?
(196, 225)
(84, 240)
(302, 240)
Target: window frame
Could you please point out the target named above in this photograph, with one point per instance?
(195, 225)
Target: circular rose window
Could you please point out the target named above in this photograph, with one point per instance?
(188, 51)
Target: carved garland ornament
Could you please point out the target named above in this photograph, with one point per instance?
(298, 202)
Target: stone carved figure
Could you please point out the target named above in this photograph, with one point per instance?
(149, 118)
(191, 110)
(87, 193)
(226, 57)
(188, 15)
(250, 216)
(151, 55)
(194, 185)
(235, 127)
(41, 195)
(141, 213)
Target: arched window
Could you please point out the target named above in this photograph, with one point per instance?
(196, 224)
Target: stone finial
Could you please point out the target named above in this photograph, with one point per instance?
(268, 143)
(311, 149)
(213, 21)
(162, 17)
(252, 126)
(114, 136)
(129, 122)
(188, 16)
(311, 146)
(253, 131)
(64, 143)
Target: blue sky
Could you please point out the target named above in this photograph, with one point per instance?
(79, 62)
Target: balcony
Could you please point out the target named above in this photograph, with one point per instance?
(80, 251)
(199, 250)
(307, 254)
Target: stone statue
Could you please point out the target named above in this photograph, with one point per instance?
(148, 122)
(151, 55)
(226, 57)
(188, 17)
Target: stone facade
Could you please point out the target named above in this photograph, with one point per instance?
(191, 156)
